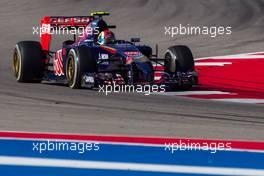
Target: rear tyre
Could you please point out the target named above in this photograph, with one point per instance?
(79, 61)
(179, 58)
(28, 61)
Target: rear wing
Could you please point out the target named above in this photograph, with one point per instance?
(49, 23)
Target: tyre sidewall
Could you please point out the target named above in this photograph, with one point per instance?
(181, 59)
(75, 83)
(84, 62)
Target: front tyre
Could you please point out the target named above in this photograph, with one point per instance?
(28, 61)
(79, 61)
(179, 58)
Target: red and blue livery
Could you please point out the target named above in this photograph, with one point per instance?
(97, 57)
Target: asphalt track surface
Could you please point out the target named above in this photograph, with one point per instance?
(55, 108)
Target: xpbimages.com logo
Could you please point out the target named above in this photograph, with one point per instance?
(57, 146)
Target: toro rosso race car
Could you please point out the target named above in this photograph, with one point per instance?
(97, 58)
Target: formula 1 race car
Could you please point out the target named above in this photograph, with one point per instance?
(97, 57)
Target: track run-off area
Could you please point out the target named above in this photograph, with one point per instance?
(232, 78)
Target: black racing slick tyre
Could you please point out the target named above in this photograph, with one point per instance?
(179, 58)
(28, 61)
(80, 60)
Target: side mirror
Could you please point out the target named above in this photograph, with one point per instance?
(135, 40)
(111, 26)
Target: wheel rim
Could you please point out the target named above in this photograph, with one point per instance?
(16, 64)
(70, 70)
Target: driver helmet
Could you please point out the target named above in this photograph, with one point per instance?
(106, 37)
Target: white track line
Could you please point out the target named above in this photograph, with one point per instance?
(212, 63)
(193, 93)
(39, 162)
(235, 56)
(240, 100)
